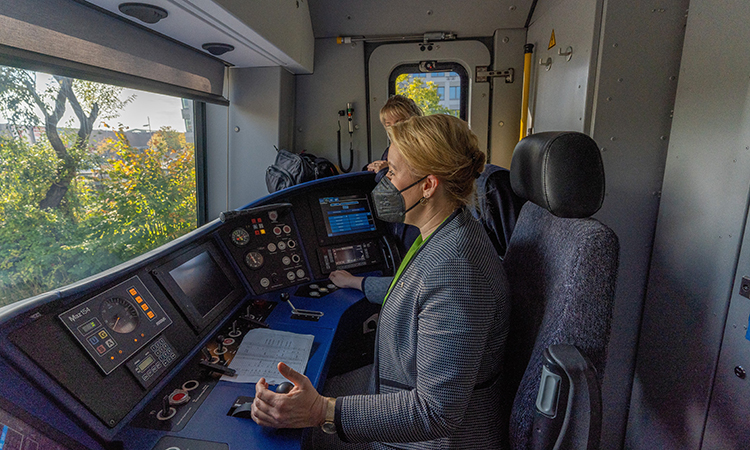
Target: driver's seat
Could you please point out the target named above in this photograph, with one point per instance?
(562, 267)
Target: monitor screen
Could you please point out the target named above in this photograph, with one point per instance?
(202, 281)
(347, 215)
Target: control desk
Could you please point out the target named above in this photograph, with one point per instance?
(133, 358)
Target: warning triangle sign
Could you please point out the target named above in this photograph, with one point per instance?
(552, 42)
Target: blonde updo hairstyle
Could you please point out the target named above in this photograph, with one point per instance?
(444, 146)
(399, 108)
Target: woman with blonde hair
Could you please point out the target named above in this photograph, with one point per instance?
(444, 321)
(396, 109)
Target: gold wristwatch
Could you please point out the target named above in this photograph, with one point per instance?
(329, 425)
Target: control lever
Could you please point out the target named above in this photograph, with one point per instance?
(165, 406)
(301, 312)
(220, 344)
(222, 369)
(206, 354)
(166, 412)
(234, 333)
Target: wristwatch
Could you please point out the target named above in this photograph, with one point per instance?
(329, 425)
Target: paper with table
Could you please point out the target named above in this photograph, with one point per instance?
(262, 349)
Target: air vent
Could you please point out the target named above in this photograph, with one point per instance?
(217, 48)
(143, 12)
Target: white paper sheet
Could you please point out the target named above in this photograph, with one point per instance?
(262, 349)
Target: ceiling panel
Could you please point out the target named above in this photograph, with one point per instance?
(466, 18)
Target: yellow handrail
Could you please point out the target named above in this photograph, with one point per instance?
(528, 49)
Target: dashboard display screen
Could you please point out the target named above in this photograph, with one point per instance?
(202, 281)
(346, 256)
(347, 215)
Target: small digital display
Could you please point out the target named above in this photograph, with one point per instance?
(347, 215)
(345, 256)
(147, 361)
(89, 326)
(202, 281)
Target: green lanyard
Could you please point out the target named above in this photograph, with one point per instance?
(408, 257)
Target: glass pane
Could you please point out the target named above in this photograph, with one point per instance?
(91, 175)
(430, 95)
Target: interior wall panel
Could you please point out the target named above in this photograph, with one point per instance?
(698, 239)
(339, 79)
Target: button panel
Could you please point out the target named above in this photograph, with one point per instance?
(272, 259)
(117, 323)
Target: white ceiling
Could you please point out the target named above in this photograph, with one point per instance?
(466, 18)
(195, 22)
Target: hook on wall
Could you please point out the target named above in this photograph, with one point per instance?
(547, 63)
(568, 53)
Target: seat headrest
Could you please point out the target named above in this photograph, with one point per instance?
(561, 171)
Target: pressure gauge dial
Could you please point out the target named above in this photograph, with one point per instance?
(240, 237)
(254, 260)
(119, 315)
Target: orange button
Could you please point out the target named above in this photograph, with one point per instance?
(144, 307)
(133, 291)
(150, 314)
(138, 298)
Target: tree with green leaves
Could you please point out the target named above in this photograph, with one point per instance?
(21, 98)
(147, 196)
(424, 94)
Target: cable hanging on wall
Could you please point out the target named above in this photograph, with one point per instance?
(349, 112)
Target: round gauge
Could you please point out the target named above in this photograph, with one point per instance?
(119, 315)
(254, 260)
(240, 237)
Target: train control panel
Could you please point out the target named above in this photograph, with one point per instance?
(144, 355)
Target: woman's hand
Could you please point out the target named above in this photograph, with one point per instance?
(301, 407)
(377, 166)
(344, 279)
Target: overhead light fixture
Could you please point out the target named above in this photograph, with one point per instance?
(143, 12)
(217, 48)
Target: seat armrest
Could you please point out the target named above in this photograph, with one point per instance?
(568, 406)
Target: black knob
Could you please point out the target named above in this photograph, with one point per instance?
(165, 406)
(284, 387)
(220, 342)
(284, 296)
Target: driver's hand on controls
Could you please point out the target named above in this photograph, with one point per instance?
(344, 279)
(301, 407)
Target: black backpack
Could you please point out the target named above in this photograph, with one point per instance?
(292, 168)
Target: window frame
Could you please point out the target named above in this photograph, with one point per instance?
(437, 67)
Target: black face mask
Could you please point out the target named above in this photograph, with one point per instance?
(389, 203)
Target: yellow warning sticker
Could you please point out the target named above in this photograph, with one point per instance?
(552, 42)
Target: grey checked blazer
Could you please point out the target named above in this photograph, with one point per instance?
(440, 345)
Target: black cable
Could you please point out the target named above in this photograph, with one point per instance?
(351, 150)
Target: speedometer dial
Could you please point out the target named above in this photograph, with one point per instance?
(119, 315)
(254, 260)
(240, 237)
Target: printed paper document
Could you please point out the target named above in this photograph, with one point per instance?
(262, 349)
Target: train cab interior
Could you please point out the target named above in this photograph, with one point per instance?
(648, 101)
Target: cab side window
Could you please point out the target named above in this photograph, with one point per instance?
(427, 84)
